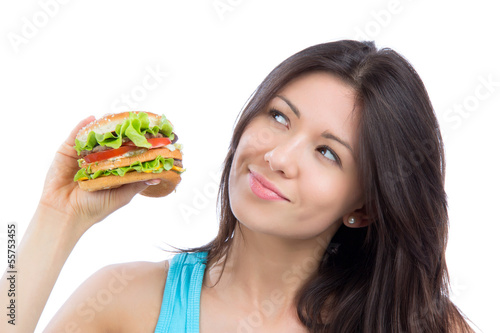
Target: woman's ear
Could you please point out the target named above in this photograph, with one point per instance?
(357, 219)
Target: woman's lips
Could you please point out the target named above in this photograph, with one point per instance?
(263, 188)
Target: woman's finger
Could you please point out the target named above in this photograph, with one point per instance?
(72, 136)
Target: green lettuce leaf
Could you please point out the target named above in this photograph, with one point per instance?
(157, 165)
(134, 128)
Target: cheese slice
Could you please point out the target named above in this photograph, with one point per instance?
(176, 168)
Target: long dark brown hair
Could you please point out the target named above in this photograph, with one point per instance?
(390, 276)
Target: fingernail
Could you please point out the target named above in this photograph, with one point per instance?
(152, 182)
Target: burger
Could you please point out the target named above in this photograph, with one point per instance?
(129, 147)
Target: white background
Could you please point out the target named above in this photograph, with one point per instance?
(61, 64)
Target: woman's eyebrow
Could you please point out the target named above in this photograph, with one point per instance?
(329, 135)
(293, 107)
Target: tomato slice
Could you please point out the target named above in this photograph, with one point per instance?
(126, 147)
(155, 142)
(104, 155)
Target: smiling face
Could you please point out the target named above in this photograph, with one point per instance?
(294, 171)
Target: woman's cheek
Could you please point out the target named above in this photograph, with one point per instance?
(324, 187)
(248, 145)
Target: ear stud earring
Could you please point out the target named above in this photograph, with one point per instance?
(351, 220)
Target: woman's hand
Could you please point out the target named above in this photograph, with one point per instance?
(63, 195)
(63, 215)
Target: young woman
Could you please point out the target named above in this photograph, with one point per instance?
(333, 217)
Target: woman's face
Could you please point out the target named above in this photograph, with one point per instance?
(294, 174)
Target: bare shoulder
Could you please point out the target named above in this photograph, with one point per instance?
(123, 297)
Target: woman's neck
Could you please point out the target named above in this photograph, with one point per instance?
(267, 271)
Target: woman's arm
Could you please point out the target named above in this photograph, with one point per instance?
(44, 248)
(118, 298)
(63, 215)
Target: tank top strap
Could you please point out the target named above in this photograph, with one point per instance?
(180, 308)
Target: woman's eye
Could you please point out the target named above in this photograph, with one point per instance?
(329, 154)
(279, 117)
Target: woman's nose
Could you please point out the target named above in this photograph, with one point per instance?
(284, 158)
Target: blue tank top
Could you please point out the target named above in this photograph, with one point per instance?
(180, 308)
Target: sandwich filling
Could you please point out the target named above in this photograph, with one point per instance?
(132, 146)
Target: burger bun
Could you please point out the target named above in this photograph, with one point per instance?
(168, 182)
